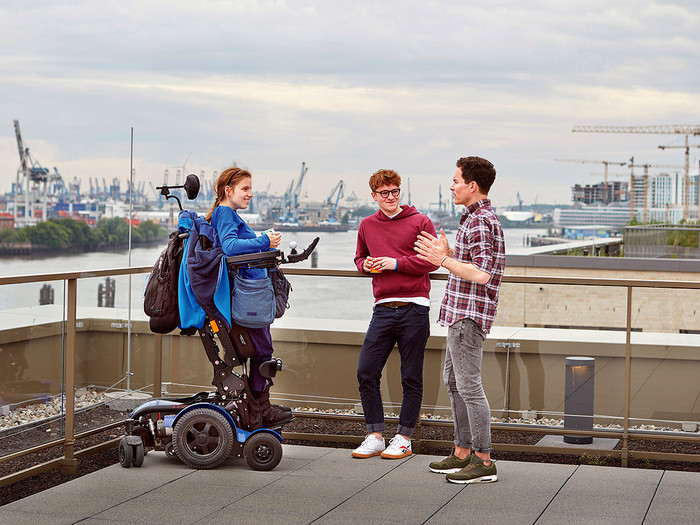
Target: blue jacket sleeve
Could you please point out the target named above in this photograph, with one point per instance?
(235, 235)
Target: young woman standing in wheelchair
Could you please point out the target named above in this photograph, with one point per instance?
(234, 189)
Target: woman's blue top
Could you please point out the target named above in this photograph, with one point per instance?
(237, 238)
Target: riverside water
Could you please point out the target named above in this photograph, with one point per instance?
(325, 297)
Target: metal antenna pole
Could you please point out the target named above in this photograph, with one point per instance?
(131, 201)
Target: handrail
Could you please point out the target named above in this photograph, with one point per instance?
(327, 272)
(61, 276)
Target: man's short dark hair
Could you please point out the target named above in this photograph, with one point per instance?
(478, 170)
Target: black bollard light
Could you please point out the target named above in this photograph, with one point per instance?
(578, 402)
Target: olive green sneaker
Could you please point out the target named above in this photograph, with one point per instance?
(449, 465)
(475, 472)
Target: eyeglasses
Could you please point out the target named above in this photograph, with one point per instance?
(395, 192)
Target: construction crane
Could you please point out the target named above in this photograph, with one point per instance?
(605, 179)
(339, 192)
(672, 129)
(686, 178)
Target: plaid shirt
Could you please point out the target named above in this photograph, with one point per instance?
(479, 242)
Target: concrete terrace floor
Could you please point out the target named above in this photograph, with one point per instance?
(326, 485)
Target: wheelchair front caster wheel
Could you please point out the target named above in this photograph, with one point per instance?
(170, 450)
(131, 454)
(262, 451)
(126, 453)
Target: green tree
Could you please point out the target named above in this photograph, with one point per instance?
(112, 231)
(150, 231)
(50, 234)
(82, 236)
(8, 235)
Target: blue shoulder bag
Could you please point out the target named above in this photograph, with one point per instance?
(252, 302)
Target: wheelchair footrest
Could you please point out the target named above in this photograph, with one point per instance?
(269, 369)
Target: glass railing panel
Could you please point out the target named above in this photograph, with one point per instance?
(537, 328)
(320, 297)
(114, 348)
(665, 359)
(32, 338)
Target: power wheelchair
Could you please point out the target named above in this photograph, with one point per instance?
(204, 429)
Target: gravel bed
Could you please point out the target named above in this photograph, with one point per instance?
(10, 441)
(99, 415)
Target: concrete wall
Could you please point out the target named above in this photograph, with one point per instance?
(599, 307)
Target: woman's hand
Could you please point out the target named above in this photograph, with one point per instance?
(275, 239)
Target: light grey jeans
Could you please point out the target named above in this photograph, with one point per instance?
(462, 375)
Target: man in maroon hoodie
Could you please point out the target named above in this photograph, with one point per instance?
(401, 287)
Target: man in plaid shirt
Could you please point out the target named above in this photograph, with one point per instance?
(468, 309)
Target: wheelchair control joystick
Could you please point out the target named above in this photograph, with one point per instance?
(293, 248)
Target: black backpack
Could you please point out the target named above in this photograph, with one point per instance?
(160, 295)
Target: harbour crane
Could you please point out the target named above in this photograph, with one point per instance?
(292, 196)
(605, 180)
(156, 193)
(34, 180)
(339, 192)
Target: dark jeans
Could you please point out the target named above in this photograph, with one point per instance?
(409, 326)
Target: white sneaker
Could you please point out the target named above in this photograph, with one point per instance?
(371, 446)
(399, 447)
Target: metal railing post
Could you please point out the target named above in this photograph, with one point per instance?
(69, 465)
(417, 439)
(157, 365)
(628, 371)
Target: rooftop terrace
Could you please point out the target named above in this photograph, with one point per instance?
(326, 485)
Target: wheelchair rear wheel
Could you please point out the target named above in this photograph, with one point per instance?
(202, 438)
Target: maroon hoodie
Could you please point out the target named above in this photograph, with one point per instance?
(380, 236)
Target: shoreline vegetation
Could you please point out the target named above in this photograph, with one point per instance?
(57, 236)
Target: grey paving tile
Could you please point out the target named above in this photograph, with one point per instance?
(16, 516)
(603, 495)
(677, 500)
(98, 491)
(339, 464)
(520, 495)
(157, 508)
(409, 493)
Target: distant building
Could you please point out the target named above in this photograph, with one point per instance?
(587, 232)
(7, 220)
(617, 191)
(617, 216)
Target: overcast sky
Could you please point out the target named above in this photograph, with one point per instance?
(347, 87)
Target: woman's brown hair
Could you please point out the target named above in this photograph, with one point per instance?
(229, 177)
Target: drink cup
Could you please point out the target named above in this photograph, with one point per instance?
(372, 269)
